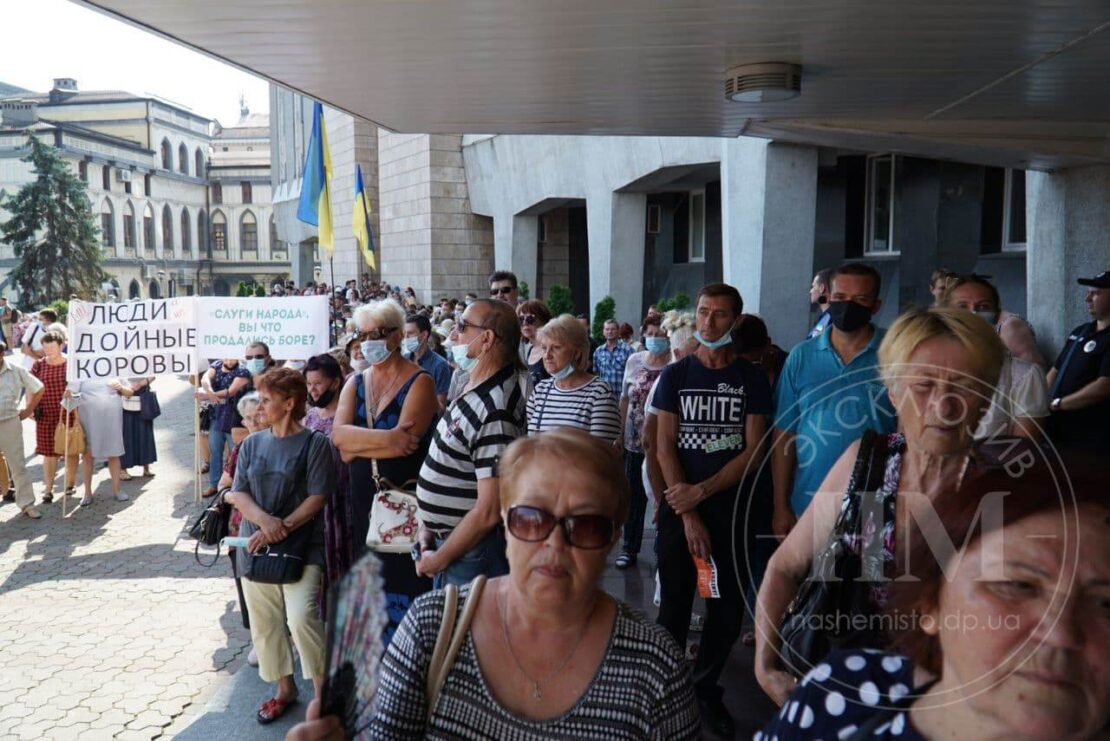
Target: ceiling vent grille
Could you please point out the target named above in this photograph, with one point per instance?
(763, 83)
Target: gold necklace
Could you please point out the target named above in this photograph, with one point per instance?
(537, 693)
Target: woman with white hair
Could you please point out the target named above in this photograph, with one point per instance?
(385, 412)
(571, 397)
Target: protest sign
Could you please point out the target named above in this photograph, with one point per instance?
(136, 339)
(293, 327)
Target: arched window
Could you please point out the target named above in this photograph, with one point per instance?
(167, 230)
(155, 290)
(134, 291)
(129, 227)
(183, 159)
(198, 167)
(107, 224)
(186, 232)
(219, 232)
(167, 155)
(148, 229)
(202, 230)
(248, 233)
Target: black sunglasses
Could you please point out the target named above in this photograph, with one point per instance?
(534, 525)
(256, 357)
(462, 325)
(377, 334)
(502, 291)
(527, 320)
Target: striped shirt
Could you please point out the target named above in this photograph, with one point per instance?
(468, 441)
(591, 407)
(642, 690)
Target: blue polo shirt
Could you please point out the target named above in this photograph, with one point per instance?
(828, 405)
(438, 368)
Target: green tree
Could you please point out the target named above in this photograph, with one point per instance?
(559, 301)
(604, 311)
(678, 303)
(260, 291)
(52, 232)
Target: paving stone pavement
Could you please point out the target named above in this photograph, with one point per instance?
(108, 627)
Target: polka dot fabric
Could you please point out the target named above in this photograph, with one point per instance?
(842, 694)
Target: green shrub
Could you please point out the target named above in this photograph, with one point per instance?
(522, 289)
(604, 311)
(61, 306)
(679, 302)
(559, 301)
(260, 291)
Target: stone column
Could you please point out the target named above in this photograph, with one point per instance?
(615, 223)
(1068, 235)
(768, 216)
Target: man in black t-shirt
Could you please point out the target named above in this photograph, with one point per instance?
(1079, 381)
(712, 409)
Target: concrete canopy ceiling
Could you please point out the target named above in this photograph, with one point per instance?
(938, 75)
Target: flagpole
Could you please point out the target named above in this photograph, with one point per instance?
(369, 234)
(331, 298)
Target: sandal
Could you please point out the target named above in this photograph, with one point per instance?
(205, 468)
(47, 497)
(273, 709)
(86, 500)
(125, 476)
(209, 492)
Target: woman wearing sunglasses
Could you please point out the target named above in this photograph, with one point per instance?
(550, 654)
(533, 315)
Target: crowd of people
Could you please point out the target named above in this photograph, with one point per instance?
(533, 453)
(515, 456)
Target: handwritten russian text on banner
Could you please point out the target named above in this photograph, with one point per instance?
(294, 327)
(131, 340)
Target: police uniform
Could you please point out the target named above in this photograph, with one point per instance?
(1084, 359)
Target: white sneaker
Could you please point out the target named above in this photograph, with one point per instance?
(86, 500)
(31, 512)
(122, 496)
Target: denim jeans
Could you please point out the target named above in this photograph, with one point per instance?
(216, 442)
(487, 557)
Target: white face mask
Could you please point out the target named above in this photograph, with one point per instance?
(360, 364)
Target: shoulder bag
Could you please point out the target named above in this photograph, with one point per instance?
(69, 439)
(832, 606)
(149, 408)
(393, 524)
(283, 562)
(211, 527)
(450, 637)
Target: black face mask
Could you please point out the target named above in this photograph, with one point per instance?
(323, 399)
(822, 300)
(848, 316)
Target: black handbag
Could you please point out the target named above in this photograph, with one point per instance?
(832, 608)
(283, 562)
(211, 527)
(149, 408)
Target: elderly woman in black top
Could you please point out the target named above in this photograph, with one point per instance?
(550, 654)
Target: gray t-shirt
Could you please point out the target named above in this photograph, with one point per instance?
(265, 470)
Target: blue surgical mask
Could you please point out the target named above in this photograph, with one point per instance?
(256, 365)
(410, 345)
(462, 360)
(716, 344)
(374, 351)
(657, 345)
(563, 373)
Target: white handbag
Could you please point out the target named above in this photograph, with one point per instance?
(393, 523)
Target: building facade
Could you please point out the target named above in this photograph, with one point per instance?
(146, 163)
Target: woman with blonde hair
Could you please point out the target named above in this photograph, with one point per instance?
(940, 366)
(571, 397)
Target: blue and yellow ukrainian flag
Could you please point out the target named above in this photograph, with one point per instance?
(360, 221)
(315, 204)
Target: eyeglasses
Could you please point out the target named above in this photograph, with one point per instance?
(534, 525)
(256, 357)
(527, 320)
(462, 325)
(377, 334)
(502, 291)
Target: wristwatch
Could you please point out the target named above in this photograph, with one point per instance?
(1055, 405)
